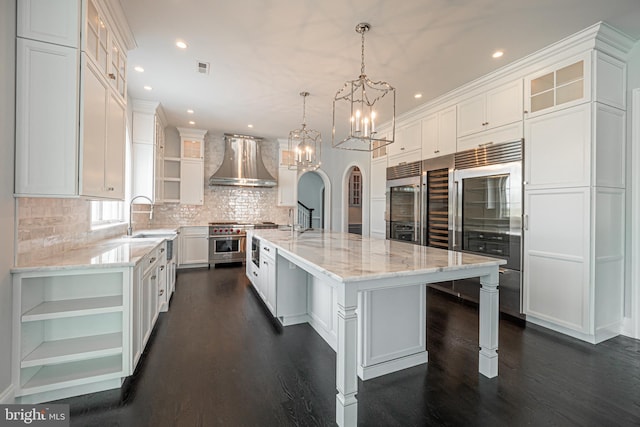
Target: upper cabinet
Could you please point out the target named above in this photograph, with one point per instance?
(408, 138)
(192, 166)
(147, 149)
(494, 108)
(70, 100)
(439, 133)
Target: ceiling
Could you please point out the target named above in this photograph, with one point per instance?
(263, 53)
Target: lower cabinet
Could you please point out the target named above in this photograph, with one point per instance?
(194, 246)
(70, 332)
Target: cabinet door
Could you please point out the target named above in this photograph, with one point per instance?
(114, 156)
(556, 256)
(430, 136)
(408, 138)
(46, 119)
(378, 178)
(192, 182)
(95, 98)
(136, 317)
(447, 135)
(558, 148)
(270, 284)
(195, 250)
(52, 21)
(504, 105)
(287, 187)
(471, 115)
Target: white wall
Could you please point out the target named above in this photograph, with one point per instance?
(7, 219)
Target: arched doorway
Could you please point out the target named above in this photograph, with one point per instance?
(314, 196)
(355, 201)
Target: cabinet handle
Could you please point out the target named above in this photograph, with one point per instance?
(525, 222)
(255, 274)
(401, 148)
(152, 260)
(112, 76)
(161, 250)
(526, 111)
(436, 151)
(162, 268)
(485, 144)
(153, 277)
(110, 189)
(264, 262)
(161, 292)
(266, 249)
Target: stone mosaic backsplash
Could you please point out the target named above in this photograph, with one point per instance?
(47, 225)
(50, 224)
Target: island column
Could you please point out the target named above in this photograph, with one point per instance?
(346, 356)
(489, 316)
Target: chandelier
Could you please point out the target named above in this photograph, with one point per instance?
(305, 145)
(362, 102)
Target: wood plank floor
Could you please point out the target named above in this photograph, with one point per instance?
(216, 360)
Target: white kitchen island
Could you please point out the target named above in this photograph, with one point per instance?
(377, 300)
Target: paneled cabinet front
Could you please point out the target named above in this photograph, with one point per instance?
(70, 117)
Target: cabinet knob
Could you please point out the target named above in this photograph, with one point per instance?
(110, 189)
(161, 292)
(112, 76)
(152, 260)
(436, 151)
(526, 111)
(162, 268)
(153, 277)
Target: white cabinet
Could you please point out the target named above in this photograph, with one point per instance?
(192, 166)
(162, 272)
(70, 332)
(573, 267)
(46, 119)
(194, 246)
(147, 149)
(267, 282)
(102, 127)
(287, 178)
(494, 108)
(408, 139)
(191, 182)
(55, 92)
(52, 21)
(439, 133)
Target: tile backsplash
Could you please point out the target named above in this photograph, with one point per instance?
(47, 225)
(51, 224)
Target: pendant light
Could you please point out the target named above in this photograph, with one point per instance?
(362, 105)
(305, 145)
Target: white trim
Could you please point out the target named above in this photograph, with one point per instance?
(7, 396)
(634, 283)
(344, 211)
(327, 195)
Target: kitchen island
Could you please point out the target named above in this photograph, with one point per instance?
(377, 299)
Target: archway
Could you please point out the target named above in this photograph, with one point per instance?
(355, 200)
(314, 192)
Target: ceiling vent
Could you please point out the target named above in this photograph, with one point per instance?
(202, 67)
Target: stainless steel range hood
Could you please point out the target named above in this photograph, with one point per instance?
(242, 164)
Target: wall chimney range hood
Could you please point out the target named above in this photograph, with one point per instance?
(242, 164)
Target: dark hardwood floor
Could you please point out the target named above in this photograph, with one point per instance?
(215, 359)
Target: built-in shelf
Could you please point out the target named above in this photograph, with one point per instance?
(74, 349)
(172, 159)
(54, 377)
(73, 308)
(172, 180)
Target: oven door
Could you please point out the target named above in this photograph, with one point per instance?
(226, 249)
(487, 207)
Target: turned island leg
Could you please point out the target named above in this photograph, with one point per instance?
(489, 317)
(346, 357)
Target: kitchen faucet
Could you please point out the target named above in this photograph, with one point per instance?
(293, 228)
(130, 228)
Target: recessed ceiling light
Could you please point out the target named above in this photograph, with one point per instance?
(190, 111)
(181, 44)
(497, 54)
(148, 88)
(139, 69)
(191, 122)
(249, 126)
(417, 96)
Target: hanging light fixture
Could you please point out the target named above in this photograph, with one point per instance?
(364, 104)
(305, 145)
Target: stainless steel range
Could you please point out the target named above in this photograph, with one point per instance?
(228, 241)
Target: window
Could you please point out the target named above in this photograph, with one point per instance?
(106, 213)
(355, 188)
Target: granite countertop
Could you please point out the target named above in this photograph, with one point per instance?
(116, 252)
(350, 257)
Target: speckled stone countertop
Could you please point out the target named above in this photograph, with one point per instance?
(351, 257)
(117, 252)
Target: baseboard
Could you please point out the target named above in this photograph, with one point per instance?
(326, 335)
(7, 396)
(384, 368)
(628, 328)
(294, 320)
(601, 334)
(63, 393)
